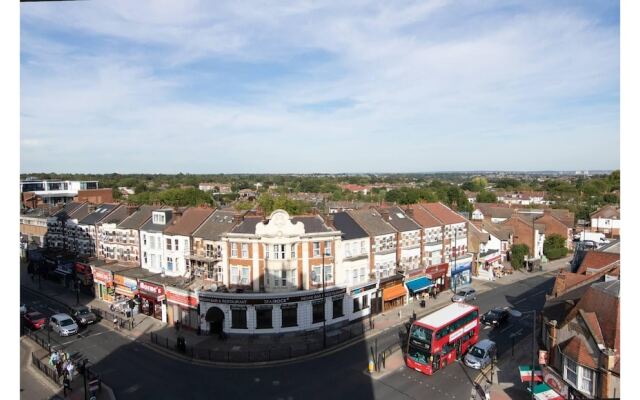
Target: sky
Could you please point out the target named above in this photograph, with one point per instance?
(194, 86)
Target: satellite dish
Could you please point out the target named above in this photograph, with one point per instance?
(214, 287)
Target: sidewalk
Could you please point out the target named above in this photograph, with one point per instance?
(288, 346)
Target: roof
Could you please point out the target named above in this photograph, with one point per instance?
(190, 220)
(220, 222)
(98, 214)
(483, 237)
(423, 217)
(603, 299)
(591, 320)
(565, 216)
(608, 211)
(69, 208)
(446, 314)
(500, 231)
(557, 308)
(149, 226)
(597, 260)
(348, 226)
(443, 213)
(499, 212)
(139, 217)
(247, 225)
(137, 272)
(312, 223)
(113, 217)
(400, 220)
(371, 221)
(612, 247)
(578, 350)
(485, 208)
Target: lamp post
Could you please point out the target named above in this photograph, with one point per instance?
(324, 303)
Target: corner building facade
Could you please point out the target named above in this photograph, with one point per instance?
(273, 278)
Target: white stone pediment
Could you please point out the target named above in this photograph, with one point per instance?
(280, 225)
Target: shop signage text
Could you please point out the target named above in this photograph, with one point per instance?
(210, 298)
(151, 288)
(101, 276)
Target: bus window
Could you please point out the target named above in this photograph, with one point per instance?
(418, 355)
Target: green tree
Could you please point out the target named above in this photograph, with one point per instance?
(486, 197)
(518, 252)
(554, 247)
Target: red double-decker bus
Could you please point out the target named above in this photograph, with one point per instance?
(437, 339)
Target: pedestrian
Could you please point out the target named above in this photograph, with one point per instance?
(59, 368)
(70, 370)
(115, 323)
(66, 384)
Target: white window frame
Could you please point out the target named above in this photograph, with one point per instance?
(168, 244)
(234, 277)
(316, 249)
(293, 251)
(327, 248)
(244, 277)
(176, 244)
(245, 250)
(234, 250)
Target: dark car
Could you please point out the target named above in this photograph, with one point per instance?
(35, 320)
(82, 315)
(495, 317)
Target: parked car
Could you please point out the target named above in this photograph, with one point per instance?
(496, 317)
(63, 324)
(464, 295)
(82, 315)
(35, 320)
(481, 354)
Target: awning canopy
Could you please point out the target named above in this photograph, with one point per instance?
(525, 373)
(419, 284)
(394, 292)
(544, 392)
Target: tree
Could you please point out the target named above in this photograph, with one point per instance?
(554, 247)
(486, 197)
(518, 251)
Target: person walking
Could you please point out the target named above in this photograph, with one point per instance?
(115, 323)
(66, 383)
(70, 370)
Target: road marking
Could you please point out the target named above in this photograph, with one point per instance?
(520, 301)
(84, 337)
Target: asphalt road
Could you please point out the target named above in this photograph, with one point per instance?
(134, 371)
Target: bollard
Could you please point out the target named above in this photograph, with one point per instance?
(370, 366)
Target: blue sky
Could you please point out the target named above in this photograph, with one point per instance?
(276, 87)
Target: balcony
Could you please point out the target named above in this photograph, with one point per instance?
(204, 255)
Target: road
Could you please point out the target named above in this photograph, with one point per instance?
(135, 371)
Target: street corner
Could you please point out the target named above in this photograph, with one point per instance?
(391, 364)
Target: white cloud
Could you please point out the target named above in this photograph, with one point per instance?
(425, 79)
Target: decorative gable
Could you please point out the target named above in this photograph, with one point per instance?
(279, 225)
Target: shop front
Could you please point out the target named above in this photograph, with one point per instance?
(266, 313)
(182, 306)
(85, 277)
(417, 283)
(438, 275)
(152, 300)
(125, 287)
(394, 296)
(65, 270)
(461, 274)
(361, 298)
(103, 283)
(489, 265)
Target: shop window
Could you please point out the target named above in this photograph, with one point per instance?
(264, 317)
(338, 308)
(318, 311)
(238, 317)
(289, 315)
(356, 305)
(365, 301)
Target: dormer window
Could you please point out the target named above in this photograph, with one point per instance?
(159, 218)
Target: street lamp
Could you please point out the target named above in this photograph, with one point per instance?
(518, 314)
(324, 302)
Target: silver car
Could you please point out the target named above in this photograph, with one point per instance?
(464, 295)
(63, 324)
(481, 354)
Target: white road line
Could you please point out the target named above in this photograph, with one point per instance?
(520, 301)
(84, 337)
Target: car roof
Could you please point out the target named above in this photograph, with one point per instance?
(61, 316)
(35, 312)
(484, 344)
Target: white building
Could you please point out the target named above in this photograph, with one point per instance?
(151, 240)
(176, 240)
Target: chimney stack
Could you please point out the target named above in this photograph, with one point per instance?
(385, 214)
(237, 218)
(409, 212)
(329, 220)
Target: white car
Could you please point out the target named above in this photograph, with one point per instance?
(464, 295)
(63, 324)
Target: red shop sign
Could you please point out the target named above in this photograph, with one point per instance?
(83, 268)
(183, 300)
(101, 276)
(151, 288)
(436, 271)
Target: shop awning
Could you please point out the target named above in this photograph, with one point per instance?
(419, 284)
(394, 292)
(544, 392)
(525, 373)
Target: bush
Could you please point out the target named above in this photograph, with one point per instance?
(554, 254)
(518, 252)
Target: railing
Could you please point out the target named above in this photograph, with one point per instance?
(124, 323)
(51, 373)
(247, 356)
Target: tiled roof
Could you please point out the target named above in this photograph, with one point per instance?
(400, 220)
(312, 223)
(100, 213)
(372, 222)
(220, 222)
(423, 217)
(597, 260)
(557, 308)
(483, 237)
(114, 217)
(608, 211)
(348, 226)
(139, 217)
(149, 226)
(579, 351)
(443, 213)
(190, 220)
(247, 225)
(603, 299)
(591, 320)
